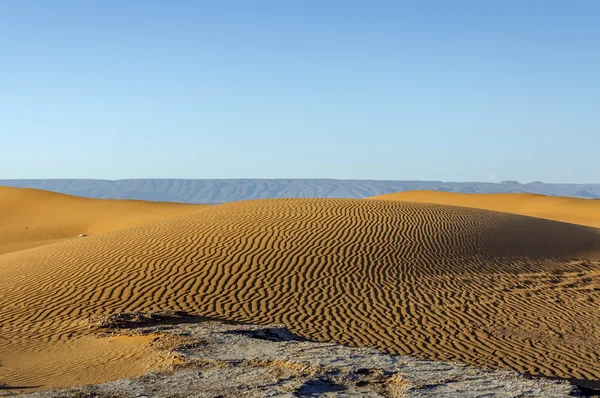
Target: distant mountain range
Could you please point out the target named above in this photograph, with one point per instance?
(228, 190)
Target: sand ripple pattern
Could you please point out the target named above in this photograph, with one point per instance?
(437, 281)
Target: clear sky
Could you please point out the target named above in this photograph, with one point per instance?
(434, 90)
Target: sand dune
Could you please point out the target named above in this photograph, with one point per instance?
(30, 217)
(571, 210)
(437, 281)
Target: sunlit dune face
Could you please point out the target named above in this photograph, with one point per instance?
(569, 210)
(433, 280)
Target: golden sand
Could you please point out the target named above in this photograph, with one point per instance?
(31, 217)
(558, 208)
(437, 281)
(79, 361)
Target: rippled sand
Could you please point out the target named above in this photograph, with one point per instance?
(433, 280)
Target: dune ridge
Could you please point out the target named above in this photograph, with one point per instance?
(570, 210)
(32, 217)
(435, 281)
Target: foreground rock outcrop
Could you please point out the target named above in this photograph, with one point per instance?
(216, 359)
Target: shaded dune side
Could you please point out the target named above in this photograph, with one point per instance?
(31, 217)
(442, 282)
(570, 210)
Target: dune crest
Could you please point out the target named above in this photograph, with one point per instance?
(570, 210)
(30, 217)
(436, 281)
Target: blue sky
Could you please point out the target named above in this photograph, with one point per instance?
(432, 90)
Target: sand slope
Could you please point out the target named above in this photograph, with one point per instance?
(571, 210)
(30, 217)
(444, 282)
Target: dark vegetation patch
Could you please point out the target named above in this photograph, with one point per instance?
(270, 334)
(132, 320)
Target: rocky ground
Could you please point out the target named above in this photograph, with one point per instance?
(232, 360)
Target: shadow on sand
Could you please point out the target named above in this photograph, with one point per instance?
(6, 387)
(587, 388)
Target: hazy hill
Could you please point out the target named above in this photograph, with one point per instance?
(220, 191)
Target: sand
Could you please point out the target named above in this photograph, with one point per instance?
(31, 217)
(558, 208)
(257, 361)
(40, 365)
(435, 281)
